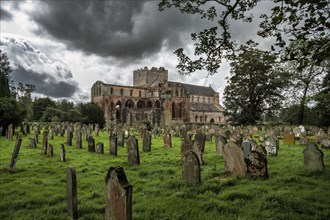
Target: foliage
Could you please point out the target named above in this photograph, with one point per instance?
(5, 71)
(40, 105)
(254, 87)
(323, 101)
(297, 20)
(291, 115)
(91, 114)
(37, 188)
(11, 112)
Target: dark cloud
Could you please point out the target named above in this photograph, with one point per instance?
(5, 15)
(45, 83)
(30, 66)
(121, 29)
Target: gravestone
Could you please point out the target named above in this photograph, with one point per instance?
(143, 132)
(325, 143)
(44, 142)
(197, 150)
(14, 157)
(69, 137)
(10, 132)
(288, 138)
(253, 144)
(120, 139)
(36, 137)
(246, 147)
(234, 159)
(97, 129)
(256, 165)
(261, 149)
(167, 141)
(91, 144)
(71, 190)
(186, 145)
(62, 153)
(118, 195)
(191, 168)
(146, 142)
(261, 137)
(113, 145)
(303, 140)
(79, 140)
(32, 142)
(50, 151)
(271, 146)
(183, 132)
(133, 151)
(313, 157)
(200, 139)
(220, 143)
(100, 148)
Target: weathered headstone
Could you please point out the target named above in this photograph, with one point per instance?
(146, 142)
(69, 137)
(79, 140)
(97, 129)
(62, 153)
(191, 168)
(303, 140)
(325, 143)
(271, 146)
(14, 157)
(197, 150)
(10, 132)
(44, 142)
(234, 159)
(313, 157)
(261, 149)
(288, 138)
(186, 145)
(246, 147)
(133, 151)
(120, 139)
(50, 151)
(256, 164)
(118, 195)
(167, 141)
(100, 148)
(32, 142)
(220, 142)
(91, 144)
(200, 139)
(71, 189)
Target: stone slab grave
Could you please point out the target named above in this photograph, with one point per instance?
(146, 142)
(246, 147)
(234, 159)
(71, 190)
(256, 165)
(113, 145)
(325, 143)
(191, 168)
(271, 146)
(91, 144)
(44, 142)
(120, 139)
(167, 140)
(313, 157)
(118, 193)
(14, 157)
(220, 142)
(133, 151)
(186, 145)
(79, 140)
(200, 139)
(32, 142)
(197, 150)
(288, 138)
(62, 153)
(100, 148)
(50, 151)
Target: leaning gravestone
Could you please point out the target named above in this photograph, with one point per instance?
(246, 147)
(14, 157)
(167, 141)
(32, 142)
(62, 152)
(146, 142)
(118, 195)
(200, 139)
(256, 165)
(191, 168)
(71, 189)
(100, 148)
(234, 159)
(313, 157)
(220, 142)
(133, 151)
(113, 145)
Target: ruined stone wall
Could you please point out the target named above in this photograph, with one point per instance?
(149, 78)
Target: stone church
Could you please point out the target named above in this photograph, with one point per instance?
(153, 98)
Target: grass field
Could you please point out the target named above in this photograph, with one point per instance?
(37, 189)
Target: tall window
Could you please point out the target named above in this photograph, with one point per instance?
(111, 90)
(131, 93)
(140, 93)
(121, 91)
(200, 118)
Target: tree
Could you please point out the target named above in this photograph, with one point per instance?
(323, 101)
(11, 112)
(40, 105)
(5, 71)
(254, 87)
(91, 114)
(299, 20)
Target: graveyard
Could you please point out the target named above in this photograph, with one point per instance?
(36, 187)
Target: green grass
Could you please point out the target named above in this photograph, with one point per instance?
(37, 189)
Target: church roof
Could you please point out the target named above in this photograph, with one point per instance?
(194, 89)
(203, 107)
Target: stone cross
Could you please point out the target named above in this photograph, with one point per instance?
(15, 154)
(71, 189)
(118, 193)
(191, 168)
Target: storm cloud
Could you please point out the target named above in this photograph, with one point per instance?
(119, 29)
(31, 66)
(5, 15)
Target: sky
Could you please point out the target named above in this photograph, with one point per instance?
(63, 47)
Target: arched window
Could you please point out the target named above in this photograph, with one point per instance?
(149, 104)
(196, 117)
(180, 110)
(121, 91)
(111, 91)
(205, 118)
(140, 104)
(157, 104)
(212, 120)
(129, 104)
(209, 100)
(173, 110)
